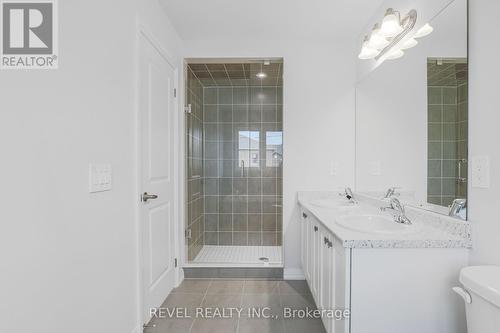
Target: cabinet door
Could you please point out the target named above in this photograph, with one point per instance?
(309, 250)
(303, 243)
(323, 263)
(328, 279)
(341, 287)
(315, 257)
(325, 276)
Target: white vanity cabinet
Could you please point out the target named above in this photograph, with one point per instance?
(324, 262)
(386, 290)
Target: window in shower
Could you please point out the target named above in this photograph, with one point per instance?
(274, 148)
(241, 149)
(248, 149)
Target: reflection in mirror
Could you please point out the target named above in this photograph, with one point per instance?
(411, 117)
(447, 128)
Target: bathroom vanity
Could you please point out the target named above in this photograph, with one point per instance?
(393, 278)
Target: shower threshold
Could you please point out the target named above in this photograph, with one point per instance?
(238, 256)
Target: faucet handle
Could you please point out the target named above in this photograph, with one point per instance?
(457, 206)
(348, 193)
(391, 191)
(397, 205)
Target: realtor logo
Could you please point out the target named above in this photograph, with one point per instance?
(29, 35)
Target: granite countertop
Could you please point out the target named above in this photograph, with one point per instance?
(431, 230)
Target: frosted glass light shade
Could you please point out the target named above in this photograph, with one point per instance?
(408, 44)
(367, 52)
(395, 54)
(377, 41)
(391, 25)
(424, 31)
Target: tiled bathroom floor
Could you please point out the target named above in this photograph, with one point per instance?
(201, 293)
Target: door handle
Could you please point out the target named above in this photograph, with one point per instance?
(460, 179)
(146, 196)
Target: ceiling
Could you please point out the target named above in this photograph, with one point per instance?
(238, 74)
(269, 19)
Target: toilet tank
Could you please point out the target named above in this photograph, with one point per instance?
(482, 283)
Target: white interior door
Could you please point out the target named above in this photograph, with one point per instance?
(157, 107)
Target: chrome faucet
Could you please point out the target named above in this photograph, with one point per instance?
(390, 192)
(456, 207)
(349, 195)
(400, 216)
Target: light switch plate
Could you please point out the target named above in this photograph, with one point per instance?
(480, 171)
(100, 177)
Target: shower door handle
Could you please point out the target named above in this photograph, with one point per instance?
(461, 179)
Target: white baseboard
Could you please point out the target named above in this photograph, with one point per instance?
(293, 274)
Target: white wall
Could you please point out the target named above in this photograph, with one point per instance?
(391, 109)
(391, 127)
(483, 128)
(68, 258)
(318, 117)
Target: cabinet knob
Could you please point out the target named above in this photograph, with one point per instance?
(326, 240)
(315, 228)
(304, 215)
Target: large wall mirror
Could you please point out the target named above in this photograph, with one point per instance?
(412, 116)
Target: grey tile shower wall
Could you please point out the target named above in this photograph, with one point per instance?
(447, 143)
(194, 158)
(242, 165)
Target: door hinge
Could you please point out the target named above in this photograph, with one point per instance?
(175, 262)
(187, 108)
(188, 233)
(175, 92)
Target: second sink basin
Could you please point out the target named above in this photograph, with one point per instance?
(374, 223)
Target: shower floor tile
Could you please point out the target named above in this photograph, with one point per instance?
(211, 254)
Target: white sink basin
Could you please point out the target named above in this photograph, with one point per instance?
(331, 203)
(374, 223)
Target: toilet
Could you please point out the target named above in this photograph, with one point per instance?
(481, 293)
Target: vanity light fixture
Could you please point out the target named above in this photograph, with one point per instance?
(387, 41)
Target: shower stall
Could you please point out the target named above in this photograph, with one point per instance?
(234, 157)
